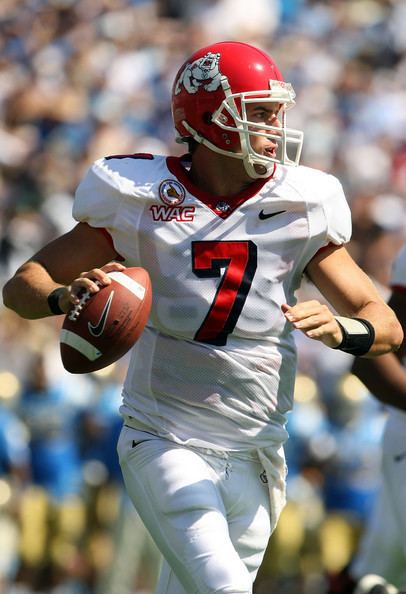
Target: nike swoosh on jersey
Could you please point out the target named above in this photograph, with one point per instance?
(267, 215)
(97, 329)
(399, 457)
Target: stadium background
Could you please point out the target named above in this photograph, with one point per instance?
(80, 79)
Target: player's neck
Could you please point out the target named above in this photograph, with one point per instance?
(217, 174)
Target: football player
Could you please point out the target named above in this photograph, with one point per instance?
(380, 565)
(227, 233)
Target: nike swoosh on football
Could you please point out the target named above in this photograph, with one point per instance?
(267, 215)
(399, 457)
(97, 329)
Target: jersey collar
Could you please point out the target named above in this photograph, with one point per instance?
(223, 206)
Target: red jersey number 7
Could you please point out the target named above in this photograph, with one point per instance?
(235, 263)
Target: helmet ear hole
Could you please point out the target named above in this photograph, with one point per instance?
(207, 117)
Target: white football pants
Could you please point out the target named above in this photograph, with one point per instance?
(208, 512)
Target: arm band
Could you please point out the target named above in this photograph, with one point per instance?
(53, 301)
(358, 335)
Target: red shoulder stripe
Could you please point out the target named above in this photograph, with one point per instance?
(110, 240)
(324, 248)
(400, 288)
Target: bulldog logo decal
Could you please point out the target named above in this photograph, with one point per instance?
(203, 72)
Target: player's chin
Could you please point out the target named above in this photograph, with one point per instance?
(264, 168)
(271, 154)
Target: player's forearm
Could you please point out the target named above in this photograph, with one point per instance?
(375, 332)
(388, 331)
(385, 378)
(353, 295)
(27, 291)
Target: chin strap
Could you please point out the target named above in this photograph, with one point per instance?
(252, 172)
(246, 159)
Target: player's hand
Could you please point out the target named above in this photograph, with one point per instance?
(87, 282)
(315, 320)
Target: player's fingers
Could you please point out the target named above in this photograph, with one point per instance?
(307, 309)
(92, 280)
(329, 333)
(98, 276)
(113, 266)
(313, 320)
(301, 308)
(82, 285)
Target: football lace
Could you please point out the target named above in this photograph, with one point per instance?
(75, 312)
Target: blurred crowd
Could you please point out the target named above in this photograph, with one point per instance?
(81, 79)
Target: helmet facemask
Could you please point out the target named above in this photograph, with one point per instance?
(280, 93)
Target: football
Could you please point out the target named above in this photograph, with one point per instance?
(105, 325)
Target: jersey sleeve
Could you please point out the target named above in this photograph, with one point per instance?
(107, 198)
(398, 277)
(97, 199)
(337, 213)
(329, 216)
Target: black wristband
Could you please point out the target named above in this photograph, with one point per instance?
(53, 301)
(358, 335)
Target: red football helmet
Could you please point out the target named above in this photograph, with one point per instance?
(209, 99)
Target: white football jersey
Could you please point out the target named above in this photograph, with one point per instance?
(215, 366)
